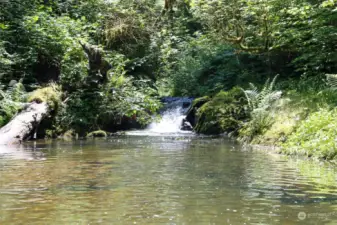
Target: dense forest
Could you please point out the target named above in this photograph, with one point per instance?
(262, 71)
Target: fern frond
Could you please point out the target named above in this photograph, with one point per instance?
(266, 85)
(260, 103)
(251, 96)
(263, 99)
(11, 99)
(272, 84)
(269, 100)
(253, 87)
(17, 92)
(331, 80)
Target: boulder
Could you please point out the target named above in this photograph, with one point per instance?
(191, 116)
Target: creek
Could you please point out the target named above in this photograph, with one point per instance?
(161, 175)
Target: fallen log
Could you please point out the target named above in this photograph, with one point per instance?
(24, 124)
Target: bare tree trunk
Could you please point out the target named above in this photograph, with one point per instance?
(23, 125)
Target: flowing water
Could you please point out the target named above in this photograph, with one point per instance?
(161, 180)
(170, 122)
(161, 175)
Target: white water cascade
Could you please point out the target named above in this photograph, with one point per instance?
(171, 120)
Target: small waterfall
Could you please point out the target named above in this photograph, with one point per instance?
(170, 122)
(172, 116)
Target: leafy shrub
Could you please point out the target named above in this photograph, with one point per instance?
(223, 113)
(11, 100)
(188, 62)
(316, 136)
(130, 98)
(105, 108)
(204, 66)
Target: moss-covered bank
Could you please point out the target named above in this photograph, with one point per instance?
(297, 126)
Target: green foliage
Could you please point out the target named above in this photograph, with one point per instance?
(6, 60)
(202, 68)
(195, 65)
(36, 41)
(261, 103)
(200, 101)
(292, 37)
(2, 121)
(243, 23)
(284, 122)
(156, 48)
(264, 99)
(332, 81)
(74, 68)
(223, 113)
(316, 136)
(11, 101)
(310, 94)
(302, 99)
(204, 65)
(309, 30)
(121, 96)
(125, 29)
(131, 98)
(55, 44)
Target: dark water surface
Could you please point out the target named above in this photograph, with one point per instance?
(161, 180)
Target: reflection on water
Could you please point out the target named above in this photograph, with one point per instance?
(161, 180)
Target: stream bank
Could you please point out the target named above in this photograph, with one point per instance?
(288, 123)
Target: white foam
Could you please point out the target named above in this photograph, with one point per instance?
(169, 124)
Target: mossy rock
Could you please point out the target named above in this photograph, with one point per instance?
(97, 134)
(51, 95)
(196, 104)
(223, 113)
